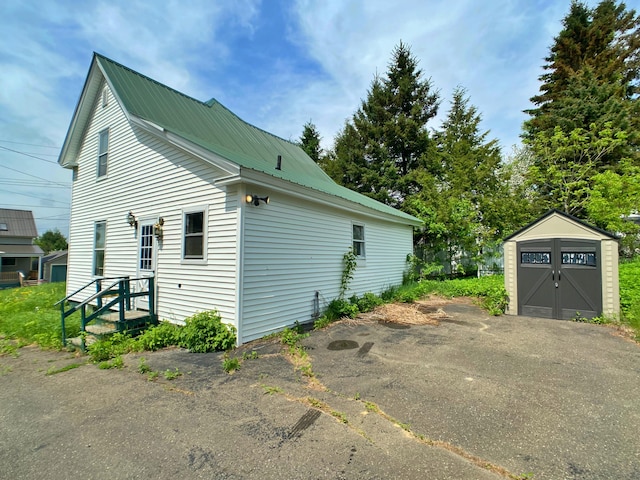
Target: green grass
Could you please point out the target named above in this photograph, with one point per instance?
(630, 294)
(28, 315)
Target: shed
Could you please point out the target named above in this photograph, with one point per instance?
(561, 267)
(54, 266)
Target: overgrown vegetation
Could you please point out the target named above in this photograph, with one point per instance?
(205, 332)
(28, 315)
(630, 294)
(490, 290)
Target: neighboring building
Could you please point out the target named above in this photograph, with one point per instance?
(226, 215)
(54, 266)
(17, 251)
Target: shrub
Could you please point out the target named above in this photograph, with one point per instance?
(368, 302)
(205, 332)
(160, 336)
(339, 308)
(111, 347)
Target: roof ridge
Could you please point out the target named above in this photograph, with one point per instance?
(209, 103)
(149, 79)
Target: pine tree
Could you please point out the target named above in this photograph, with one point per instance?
(587, 116)
(386, 142)
(310, 141)
(597, 47)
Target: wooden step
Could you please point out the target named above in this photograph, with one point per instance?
(77, 341)
(101, 329)
(128, 315)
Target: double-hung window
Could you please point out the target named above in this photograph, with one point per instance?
(99, 237)
(358, 240)
(194, 237)
(103, 152)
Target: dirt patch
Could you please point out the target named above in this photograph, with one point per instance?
(423, 312)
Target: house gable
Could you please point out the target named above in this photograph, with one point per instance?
(209, 130)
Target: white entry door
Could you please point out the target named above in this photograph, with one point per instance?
(146, 261)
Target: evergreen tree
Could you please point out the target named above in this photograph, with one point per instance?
(584, 132)
(597, 49)
(462, 207)
(386, 142)
(310, 141)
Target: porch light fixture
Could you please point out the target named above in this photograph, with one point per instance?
(132, 220)
(256, 199)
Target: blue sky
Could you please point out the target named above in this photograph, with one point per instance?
(277, 64)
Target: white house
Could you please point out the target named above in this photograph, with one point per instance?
(225, 215)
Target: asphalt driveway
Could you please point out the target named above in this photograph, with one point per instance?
(476, 397)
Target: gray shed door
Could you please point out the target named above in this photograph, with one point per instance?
(559, 278)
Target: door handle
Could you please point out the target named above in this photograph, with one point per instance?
(553, 275)
(558, 275)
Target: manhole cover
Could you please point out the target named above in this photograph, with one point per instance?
(395, 326)
(342, 345)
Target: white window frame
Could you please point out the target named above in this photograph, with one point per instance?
(96, 248)
(183, 235)
(103, 154)
(105, 97)
(362, 241)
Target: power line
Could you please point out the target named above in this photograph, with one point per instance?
(30, 183)
(30, 144)
(29, 175)
(28, 155)
(32, 206)
(36, 196)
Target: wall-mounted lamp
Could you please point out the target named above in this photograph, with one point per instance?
(132, 220)
(157, 228)
(256, 200)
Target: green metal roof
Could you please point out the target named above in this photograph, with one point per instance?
(216, 129)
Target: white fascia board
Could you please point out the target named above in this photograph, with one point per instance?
(69, 153)
(263, 180)
(230, 168)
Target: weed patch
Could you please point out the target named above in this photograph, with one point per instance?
(66, 368)
(172, 374)
(230, 364)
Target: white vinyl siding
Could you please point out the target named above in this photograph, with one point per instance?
(153, 179)
(294, 248)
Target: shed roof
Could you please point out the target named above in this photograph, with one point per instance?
(17, 223)
(213, 127)
(563, 215)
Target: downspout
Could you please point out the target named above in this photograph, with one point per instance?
(240, 261)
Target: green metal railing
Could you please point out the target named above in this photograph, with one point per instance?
(119, 288)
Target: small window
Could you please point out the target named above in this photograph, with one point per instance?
(105, 97)
(579, 258)
(103, 152)
(194, 236)
(8, 261)
(99, 238)
(536, 258)
(358, 240)
(3, 227)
